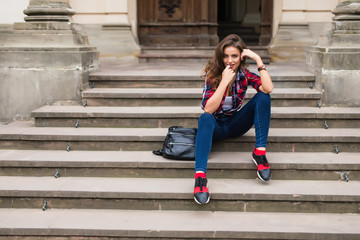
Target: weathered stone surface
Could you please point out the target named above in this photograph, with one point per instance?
(346, 25)
(49, 10)
(340, 87)
(112, 41)
(42, 77)
(45, 26)
(290, 43)
(347, 10)
(25, 90)
(42, 63)
(309, 194)
(44, 60)
(178, 224)
(189, 53)
(335, 59)
(145, 139)
(231, 165)
(188, 96)
(291, 117)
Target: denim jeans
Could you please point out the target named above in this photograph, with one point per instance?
(255, 112)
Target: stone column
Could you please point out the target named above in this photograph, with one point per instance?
(49, 10)
(335, 59)
(45, 60)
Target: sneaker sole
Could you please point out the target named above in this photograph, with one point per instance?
(208, 200)
(258, 171)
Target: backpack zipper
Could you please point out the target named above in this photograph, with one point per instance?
(172, 133)
(185, 144)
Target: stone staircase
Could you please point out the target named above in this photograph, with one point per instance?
(187, 54)
(247, 33)
(87, 171)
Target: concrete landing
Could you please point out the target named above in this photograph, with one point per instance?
(289, 117)
(128, 164)
(178, 224)
(183, 112)
(191, 93)
(180, 188)
(129, 67)
(26, 131)
(22, 135)
(146, 159)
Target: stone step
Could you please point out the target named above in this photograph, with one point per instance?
(23, 135)
(291, 166)
(293, 117)
(108, 79)
(186, 54)
(249, 38)
(106, 224)
(248, 195)
(281, 97)
(33, 39)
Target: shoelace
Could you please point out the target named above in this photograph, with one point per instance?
(263, 161)
(200, 182)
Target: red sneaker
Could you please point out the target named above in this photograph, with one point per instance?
(201, 192)
(263, 167)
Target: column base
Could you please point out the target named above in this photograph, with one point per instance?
(337, 74)
(42, 63)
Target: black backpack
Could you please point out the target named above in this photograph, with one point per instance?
(179, 144)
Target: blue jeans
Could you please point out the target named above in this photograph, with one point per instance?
(255, 112)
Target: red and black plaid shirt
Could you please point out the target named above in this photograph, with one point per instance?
(243, 78)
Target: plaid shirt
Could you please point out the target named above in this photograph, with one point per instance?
(243, 78)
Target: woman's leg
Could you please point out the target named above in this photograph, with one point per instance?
(203, 143)
(256, 112)
(202, 150)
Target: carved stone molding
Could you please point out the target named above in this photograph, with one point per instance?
(49, 11)
(347, 11)
(169, 5)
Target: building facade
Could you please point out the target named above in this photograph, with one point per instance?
(292, 24)
(281, 30)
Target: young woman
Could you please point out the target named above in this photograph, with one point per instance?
(226, 81)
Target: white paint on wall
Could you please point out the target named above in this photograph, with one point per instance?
(100, 11)
(101, 19)
(12, 11)
(306, 11)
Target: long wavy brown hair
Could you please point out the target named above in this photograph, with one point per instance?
(216, 66)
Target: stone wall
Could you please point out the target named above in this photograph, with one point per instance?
(110, 25)
(335, 59)
(44, 60)
(300, 23)
(112, 40)
(100, 11)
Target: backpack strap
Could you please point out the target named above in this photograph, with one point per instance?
(158, 152)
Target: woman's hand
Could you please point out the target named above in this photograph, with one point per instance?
(266, 83)
(250, 54)
(228, 76)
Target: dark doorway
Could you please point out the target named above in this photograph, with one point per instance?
(242, 17)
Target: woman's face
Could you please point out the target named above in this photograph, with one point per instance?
(232, 57)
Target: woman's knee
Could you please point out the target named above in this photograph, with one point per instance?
(206, 119)
(263, 97)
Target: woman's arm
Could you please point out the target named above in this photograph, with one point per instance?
(266, 83)
(228, 77)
